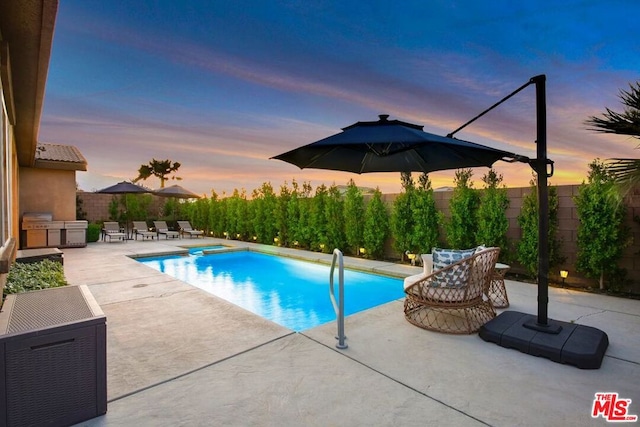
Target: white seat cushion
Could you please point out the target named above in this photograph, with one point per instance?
(413, 279)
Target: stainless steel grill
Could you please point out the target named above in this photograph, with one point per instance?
(41, 231)
(75, 233)
(36, 220)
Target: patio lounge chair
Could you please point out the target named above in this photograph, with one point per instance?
(452, 299)
(111, 229)
(163, 228)
(140, 229)
(497, 292)
(185, 228)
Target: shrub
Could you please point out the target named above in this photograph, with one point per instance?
(527, 249)
(402, 220)
(283, 222)
(376, 226)
(601, 232)
(25, 277)
(425, 214)
(318, 219)
(492, 218)
(299, 213)
(334, 214)
(264, 201)
(93, 232)
(464, 205)
(353, 217)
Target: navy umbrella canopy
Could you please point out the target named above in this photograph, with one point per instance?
(124, 187)
(393, 146)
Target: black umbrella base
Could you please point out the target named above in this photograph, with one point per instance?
(561, 342)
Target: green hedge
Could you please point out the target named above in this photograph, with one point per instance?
(93, 232)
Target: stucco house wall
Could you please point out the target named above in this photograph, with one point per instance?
(47, 190)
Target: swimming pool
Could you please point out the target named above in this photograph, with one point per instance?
(290, 292)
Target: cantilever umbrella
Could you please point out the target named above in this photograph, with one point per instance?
(125, 187)
(393, 146)
(386, 146)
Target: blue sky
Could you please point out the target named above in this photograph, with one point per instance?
(222, 86)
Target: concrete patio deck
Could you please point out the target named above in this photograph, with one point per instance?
(179, 356)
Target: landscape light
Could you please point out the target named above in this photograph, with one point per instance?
(564, 274)
(411, 256)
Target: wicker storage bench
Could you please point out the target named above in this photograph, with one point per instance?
(53, 349)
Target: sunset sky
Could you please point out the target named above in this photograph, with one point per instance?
(222, 86)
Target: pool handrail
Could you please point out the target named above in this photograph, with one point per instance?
(338, 306)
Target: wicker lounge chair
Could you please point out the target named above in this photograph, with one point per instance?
(185, 228)
(111, 229)
(163, 229)
(452, 299)
(140, 229)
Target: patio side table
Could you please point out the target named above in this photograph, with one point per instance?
(497, 293)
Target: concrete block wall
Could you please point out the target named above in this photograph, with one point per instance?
(96, 205)
(567, 231)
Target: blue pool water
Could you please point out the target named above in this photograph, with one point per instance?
(290, 292)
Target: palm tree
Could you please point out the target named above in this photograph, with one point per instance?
(158, 168)
(625, 171)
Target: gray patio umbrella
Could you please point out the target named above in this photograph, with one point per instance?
(125, 187)
(176, 192)
(393, 146)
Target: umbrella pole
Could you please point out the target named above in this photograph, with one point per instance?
(126, 215)
(542, 322)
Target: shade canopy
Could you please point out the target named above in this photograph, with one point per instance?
(124, 187)
(393, 146)
(176, 191)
